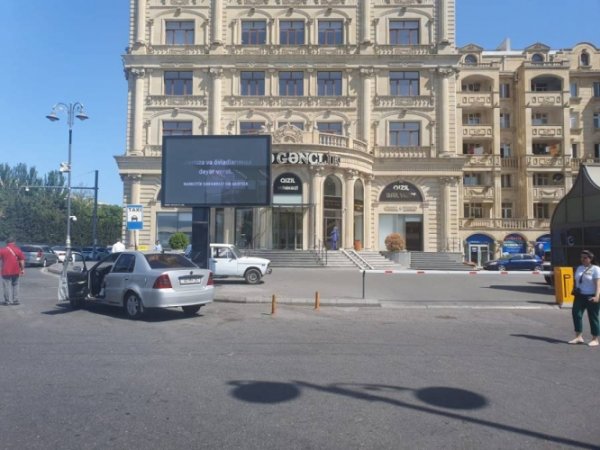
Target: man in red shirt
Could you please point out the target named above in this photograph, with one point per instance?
(13, 266)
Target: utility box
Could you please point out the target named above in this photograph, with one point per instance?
(563, 286)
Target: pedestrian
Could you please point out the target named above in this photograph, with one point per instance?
(13, 267)
(334, 237)
(157, 246)
(118, 247)
(587, 295)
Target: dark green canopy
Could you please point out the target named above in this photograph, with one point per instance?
(575, 224)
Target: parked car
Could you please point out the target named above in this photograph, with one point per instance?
(94, 253)
(38, 255)
(60, 251)
(516, 261)
(226, 260)
(137, 281)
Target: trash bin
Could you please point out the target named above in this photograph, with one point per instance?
(563, 286)
(357, 245)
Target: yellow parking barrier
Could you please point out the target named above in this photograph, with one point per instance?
(563, 286)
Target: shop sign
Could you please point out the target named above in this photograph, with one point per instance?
(400, 191)
(287, 184)
(306, 158)
(514, 243)
(332, 202)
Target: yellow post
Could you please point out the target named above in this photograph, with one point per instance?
(563, 285)
(317, 300)
(273, 305)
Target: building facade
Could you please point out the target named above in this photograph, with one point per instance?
(379, 122)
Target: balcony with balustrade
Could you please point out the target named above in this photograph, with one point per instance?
(244, 101)
(392, 152)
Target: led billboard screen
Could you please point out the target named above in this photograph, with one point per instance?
(216, 171)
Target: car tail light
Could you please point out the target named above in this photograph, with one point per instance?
(39, 254)
(162, 282)
(210, 281)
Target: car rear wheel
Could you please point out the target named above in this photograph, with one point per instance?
(252, 276)
(45, 263)
(191, 310)
(133, 306)
(501, 268)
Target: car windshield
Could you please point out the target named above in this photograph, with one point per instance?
(168, 261)
(29, 248)
(236, 251)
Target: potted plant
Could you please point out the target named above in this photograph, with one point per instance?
(178, 241)
(396, 247)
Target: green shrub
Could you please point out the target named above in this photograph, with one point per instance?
(178, 241)
(394, 242)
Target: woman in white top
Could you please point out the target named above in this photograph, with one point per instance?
(587, 295)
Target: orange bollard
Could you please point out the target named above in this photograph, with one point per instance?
(317, 300)
(273, 305)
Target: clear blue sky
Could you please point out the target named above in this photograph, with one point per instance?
(70, 50)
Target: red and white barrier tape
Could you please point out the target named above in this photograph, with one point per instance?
(457, 272)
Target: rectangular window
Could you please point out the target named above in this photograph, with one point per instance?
(405, 134)
(472, 119)
(505, 90)
(596, 120)
(545, 149)
(507, 209)
(330, 127)
(536, 86)
(574, 90)
(177, 128)
(179, 32)
(472, 179)
(291, 32)
(474, 148)
(541, 210)
(331, 32)
(404, 84)
(473, 210)
(506, 180)
(597, 150)
(291, 84)
(254, 32)
(505, 150)
(252, 83)
(251, 127)
(541, 179)
(504, 120)
(574, 150)
(169, 223)
(596, 90)
(404, 32)
(329, 84)
(471, 87)
(539, 119)
(178, 83)
(299, 125)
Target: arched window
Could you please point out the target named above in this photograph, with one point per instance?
(470, 59)
(537, 58)
(584, 58)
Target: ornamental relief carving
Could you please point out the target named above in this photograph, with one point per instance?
(287, 134)
(180, 2)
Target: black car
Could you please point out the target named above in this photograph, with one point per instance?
(516, 261)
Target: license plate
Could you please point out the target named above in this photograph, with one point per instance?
(190, 280)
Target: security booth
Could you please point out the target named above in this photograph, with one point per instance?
(575, 225)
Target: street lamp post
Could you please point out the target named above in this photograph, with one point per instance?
(73, 110)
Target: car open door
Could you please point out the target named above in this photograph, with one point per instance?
(77, 277)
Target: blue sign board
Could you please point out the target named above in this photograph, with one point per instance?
(135, 217)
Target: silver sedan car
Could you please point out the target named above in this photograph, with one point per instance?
(136, 281)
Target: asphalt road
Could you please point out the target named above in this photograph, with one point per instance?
(339, 378)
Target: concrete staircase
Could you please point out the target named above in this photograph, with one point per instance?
(376, 260)
(287, 258)
(437, 261)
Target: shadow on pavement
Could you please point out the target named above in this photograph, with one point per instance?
(150, 315)
(540, 338)
(432, 397)
(536, 289)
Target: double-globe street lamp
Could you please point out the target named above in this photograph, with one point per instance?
(72, 110)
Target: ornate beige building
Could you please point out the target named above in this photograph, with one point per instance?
(378, 121)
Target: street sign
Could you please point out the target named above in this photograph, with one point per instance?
(135, 217)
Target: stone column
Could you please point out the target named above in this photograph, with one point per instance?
(365, 22)
(443, 21)
(137, 119)
(444, 110)
(317, 205)
(215, 101)
(367, 212)
(445, 213)
(348, 228)
(365, 103)
(140, 24)
(216, 21)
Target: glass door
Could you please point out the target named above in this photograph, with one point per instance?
(287, 228)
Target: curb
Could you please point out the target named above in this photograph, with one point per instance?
(301, 301)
